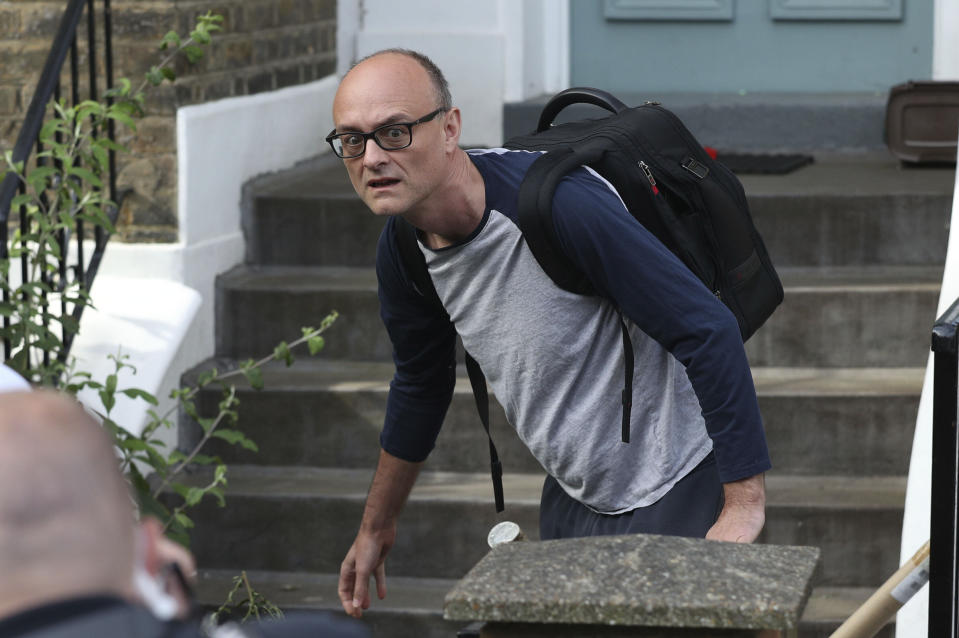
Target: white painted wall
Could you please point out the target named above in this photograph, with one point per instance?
(912, 620)
(945, 41)
(220, 146)
(491, 52)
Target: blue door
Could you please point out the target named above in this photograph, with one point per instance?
(737, 46)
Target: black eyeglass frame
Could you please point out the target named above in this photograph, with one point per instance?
(372, 134)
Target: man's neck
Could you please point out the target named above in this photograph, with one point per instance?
(456, 209)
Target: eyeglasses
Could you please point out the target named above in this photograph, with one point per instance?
(389, 137)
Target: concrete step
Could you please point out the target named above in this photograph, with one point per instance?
(842, 210)
(855, 210)
(831, 317)
(850, 317)
(257, 307)
(309, 215)
(326, 413)
(305, 519)
(760, 122)
(413, 607)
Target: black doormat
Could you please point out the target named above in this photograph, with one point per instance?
(776, 163)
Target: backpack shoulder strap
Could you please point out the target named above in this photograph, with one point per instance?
(535, 217)
(415, 265)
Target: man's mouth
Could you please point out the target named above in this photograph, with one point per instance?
(382, 183)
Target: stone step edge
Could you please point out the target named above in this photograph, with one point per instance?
(827, 606)
(798, 279)
(340, 375)
(820, 492)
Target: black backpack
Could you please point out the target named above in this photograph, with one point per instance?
(690, 202)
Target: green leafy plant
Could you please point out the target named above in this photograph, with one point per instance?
(243, 603)
(156, 472)
(66, 186)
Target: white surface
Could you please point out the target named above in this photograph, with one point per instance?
(145, 319)
(10, 381)
(221, 145)
(912, 621)
(490, 52)
(945, 40)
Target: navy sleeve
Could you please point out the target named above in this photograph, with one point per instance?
(424, 352)
(652, 287)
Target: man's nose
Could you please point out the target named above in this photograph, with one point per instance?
(374, 156)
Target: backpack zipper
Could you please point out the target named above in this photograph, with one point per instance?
(652, 182)
(649, 175)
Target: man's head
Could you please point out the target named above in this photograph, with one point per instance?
(66, 516)
(396, 86)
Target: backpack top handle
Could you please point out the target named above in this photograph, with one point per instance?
(577, 95)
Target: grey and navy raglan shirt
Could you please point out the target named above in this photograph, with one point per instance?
(554, 359)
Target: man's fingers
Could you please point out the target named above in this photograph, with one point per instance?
(347, 580)
(380, 574)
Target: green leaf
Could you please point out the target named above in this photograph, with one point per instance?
(123, 118)
(135, 393)
(110, 145)
(236, 438)
(134, 444)
(218, 493)
(108, 400)
(183, 520)
(101, 156)
(168, 73)
(205, 459)
(282, 353)
(193, 496)
(20, 200)
(193, 53)
(86, 175)
(315, 344)
(200, 35)
(254, 377)
(154, 76)
(170, 39)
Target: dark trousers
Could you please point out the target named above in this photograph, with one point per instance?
(689, 509)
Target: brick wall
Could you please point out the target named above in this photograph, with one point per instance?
(264, 45)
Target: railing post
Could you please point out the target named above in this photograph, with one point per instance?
(943, 566)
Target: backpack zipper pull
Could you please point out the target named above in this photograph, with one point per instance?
(649, 175)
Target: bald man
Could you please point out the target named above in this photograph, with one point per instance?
(69, 542)
(695, 463)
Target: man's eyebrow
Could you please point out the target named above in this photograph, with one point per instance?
(392, 119)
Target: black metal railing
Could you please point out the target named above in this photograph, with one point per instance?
(944, 514)
(82, 270)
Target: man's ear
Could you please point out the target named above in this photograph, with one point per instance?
(452, 127)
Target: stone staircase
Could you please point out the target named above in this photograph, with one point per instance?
(859, 242)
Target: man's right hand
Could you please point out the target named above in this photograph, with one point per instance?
(392, 483)
(367, 557)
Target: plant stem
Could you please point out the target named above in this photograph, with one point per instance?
(196, 450)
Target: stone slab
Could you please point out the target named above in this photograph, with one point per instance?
(638, 580)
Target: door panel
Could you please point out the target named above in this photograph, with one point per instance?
(829, 46)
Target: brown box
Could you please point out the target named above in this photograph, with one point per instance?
(922, 121)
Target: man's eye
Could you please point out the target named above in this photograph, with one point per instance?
(352, 140)
(395, 133)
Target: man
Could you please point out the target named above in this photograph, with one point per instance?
(552, 358)
(73, 562)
